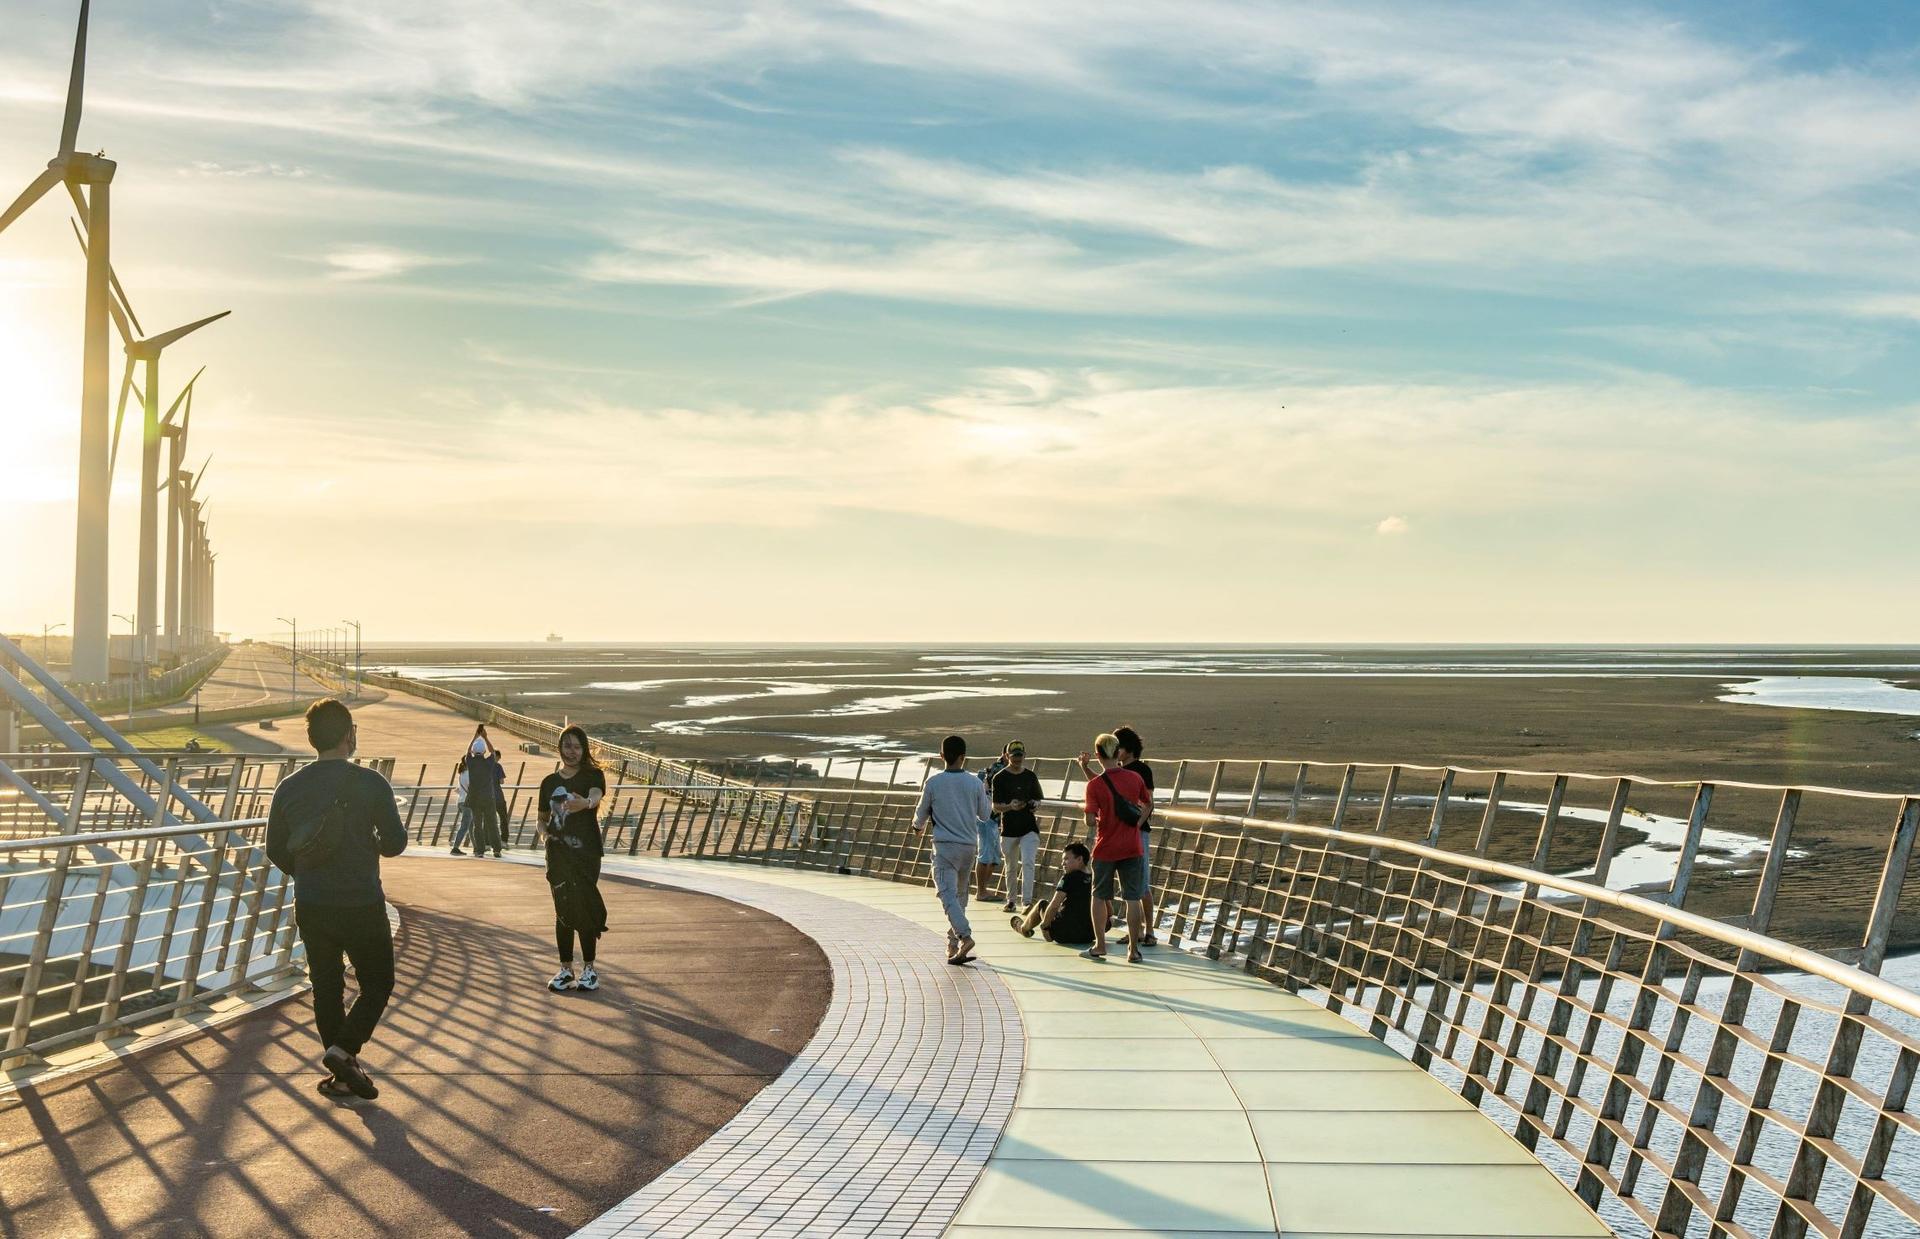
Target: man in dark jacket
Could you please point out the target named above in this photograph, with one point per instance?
(338, 903)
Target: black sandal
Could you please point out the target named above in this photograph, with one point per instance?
(330, 1086)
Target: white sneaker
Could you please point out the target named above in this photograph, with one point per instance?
(562, 980)
(589, 979)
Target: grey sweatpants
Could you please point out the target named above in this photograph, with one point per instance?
(953, 877)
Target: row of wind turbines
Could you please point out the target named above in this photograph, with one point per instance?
(186, 622)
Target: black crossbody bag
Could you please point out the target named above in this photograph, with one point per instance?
(1128, 812)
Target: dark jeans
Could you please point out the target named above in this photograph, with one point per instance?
(363, 937)
(587, 867)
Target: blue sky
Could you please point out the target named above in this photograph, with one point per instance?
(1363, 321)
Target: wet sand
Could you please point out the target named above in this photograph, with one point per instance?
(1664, 727)
(1659, 727)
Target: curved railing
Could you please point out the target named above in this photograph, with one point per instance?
(1663, 1061)
(104, 931)
(1647, 1029)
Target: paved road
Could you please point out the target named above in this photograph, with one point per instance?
(505, 1110)
(411, 731)
(251, 676)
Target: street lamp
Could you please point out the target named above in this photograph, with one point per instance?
(357, 675)
(46, 643)
(293, 661)
(133, 632)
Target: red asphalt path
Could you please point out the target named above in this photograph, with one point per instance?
(504, 1109)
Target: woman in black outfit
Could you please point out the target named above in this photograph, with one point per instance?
(570, 822)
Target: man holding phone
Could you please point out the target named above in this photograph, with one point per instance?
(1016, 793)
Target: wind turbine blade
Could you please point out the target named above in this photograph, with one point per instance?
(80, 204)
(186, 419)
(186, 395)
(200, 476)
(168, 337)
(30, 195)
(76, 86)
(125, 304)
(119, 414)
(120, 320)
(120, 301)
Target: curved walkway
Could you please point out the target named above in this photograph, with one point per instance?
(884, 1122)
(504, 1110)
(1176, 1097)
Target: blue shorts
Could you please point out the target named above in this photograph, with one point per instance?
(989, 832)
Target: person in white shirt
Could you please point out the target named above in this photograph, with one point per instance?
(955, 803)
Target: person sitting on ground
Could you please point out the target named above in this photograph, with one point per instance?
(329, 825)
(1115, 806)
(1067, 917)
(955, 803)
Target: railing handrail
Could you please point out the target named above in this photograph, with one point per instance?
(1812, 962)
(41, 842)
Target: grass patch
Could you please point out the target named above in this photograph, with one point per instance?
(173, 739)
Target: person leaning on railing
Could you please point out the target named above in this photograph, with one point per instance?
(329, 825)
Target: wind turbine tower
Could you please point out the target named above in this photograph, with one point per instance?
(177, 492)
(88, 179)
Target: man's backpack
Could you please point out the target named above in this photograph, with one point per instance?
(1127, 812)
(315, 840)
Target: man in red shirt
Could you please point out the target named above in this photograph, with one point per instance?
(1115, 807)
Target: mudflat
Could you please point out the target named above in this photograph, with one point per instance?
(729, 702)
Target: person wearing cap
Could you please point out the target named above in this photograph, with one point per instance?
(481, 777)
(1016, 792)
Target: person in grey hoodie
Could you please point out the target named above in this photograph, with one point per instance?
(955, 803)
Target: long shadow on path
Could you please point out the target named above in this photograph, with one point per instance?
(504, 1109)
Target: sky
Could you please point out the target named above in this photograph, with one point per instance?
(997, 321)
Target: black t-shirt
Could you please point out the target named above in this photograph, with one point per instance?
(350, 878)
(1074, 924)
(1146, 776)
(1009, 786)
(581, 829)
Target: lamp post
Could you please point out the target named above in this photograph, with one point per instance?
(293, 662)
(133, 633)
(46, 643)
(357, 674)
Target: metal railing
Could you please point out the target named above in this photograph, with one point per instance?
(1595, 962)
(1665, 1062)
(105, 931)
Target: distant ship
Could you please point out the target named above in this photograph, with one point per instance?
(555, 638)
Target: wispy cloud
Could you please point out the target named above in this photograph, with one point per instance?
(1292, 276)
(1028, 271)
(378, 262)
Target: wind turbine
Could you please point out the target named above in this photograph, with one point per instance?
(88, 179)
(198, 603)
(146, 349)
(178, 489)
